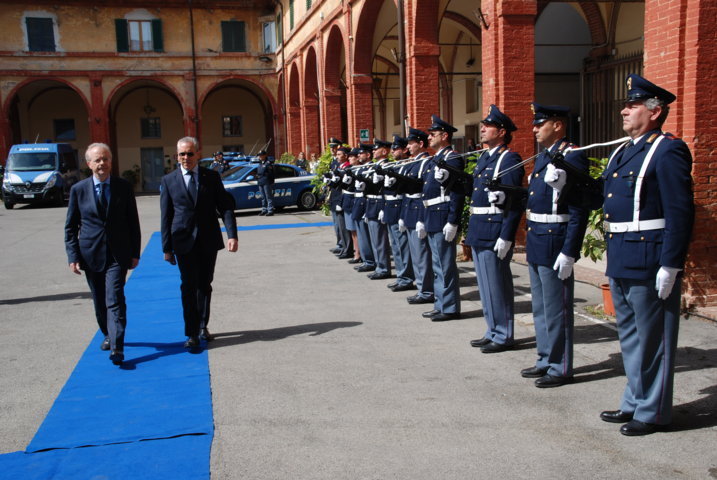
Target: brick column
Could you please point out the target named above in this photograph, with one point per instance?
(99, 121)
(680, 57)
(5, 137)
(361, 97)
(332, 115)
(508, 64)
(422, 52)
(311, 127)
(294, 130)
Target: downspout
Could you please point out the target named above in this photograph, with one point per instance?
(401, 67)
(283, 72)
(194, 71)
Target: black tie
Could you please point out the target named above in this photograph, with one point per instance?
(192, 186)
(103, 199)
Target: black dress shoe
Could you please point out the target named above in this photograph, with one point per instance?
(392, 285)
(345, 256)
(444, 317)
(355, 260)
(403, 288)
(261, 214)
(365, 268)
(416, 300)
(205, 335)
(615, 416)
(117, 357)
(636, 428)
(192, 342)
(494, 347)
(105, 345)
(334, 250)
(480, 342)
(379, 276)
(430, 314)
(533, 372)
(550, 381)
(270, 214)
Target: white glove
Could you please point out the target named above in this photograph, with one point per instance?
(346, 180)
(564, 266)
(334, 179)
(449, 231)
(440, 174)
(377, 178)
(401, 225)
(360, 186)
(421, 230)
(389, 182)
(339, 209)
(665, 281)
(380, 216)
(324, 180)
(497, 197)
(555, 177)
(365, 219)
(502, 247)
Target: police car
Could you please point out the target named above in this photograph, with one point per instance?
(292, 186)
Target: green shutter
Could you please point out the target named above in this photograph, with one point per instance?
(279, 30)
(122, 33)
(308, 5)
(157, 39)
(233, 36)
(291, 14)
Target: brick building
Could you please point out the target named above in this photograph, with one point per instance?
(140, 74)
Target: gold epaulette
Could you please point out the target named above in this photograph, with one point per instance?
(652, 137)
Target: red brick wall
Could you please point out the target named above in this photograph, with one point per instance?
(680, 53)
(422, 73)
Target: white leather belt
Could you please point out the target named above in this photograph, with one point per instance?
(346, 192)
(486, 210)
(374, 196)
(414, 195)
(394, 197)
(435, 201)
(620, 227)
(358, 194)
(547, 217)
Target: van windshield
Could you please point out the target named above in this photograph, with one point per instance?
(25, 162)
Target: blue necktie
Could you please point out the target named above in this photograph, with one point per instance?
(192, 187)
(103, 198)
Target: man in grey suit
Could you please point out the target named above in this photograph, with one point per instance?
(190, 199)
(102, 237)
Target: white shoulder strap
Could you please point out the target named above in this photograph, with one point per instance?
(638, 183)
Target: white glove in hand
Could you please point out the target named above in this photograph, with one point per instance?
(497, 197)
(449, 231)
(501, 247)
(324, 180)
(346, 180)
(389, 182)
(377, 178)
(401, 225)
(380, 216)
(665, 281)
(564, 266)
(555, 177)
(360, 186)
(334, 179)
(421, 230)
(440, 174)
(339, 209)
(365, 219)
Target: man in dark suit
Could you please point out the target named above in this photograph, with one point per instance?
(190, 198)
(102, 237)
(649, 214)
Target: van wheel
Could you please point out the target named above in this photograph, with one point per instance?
(307, 200)
(8, 204)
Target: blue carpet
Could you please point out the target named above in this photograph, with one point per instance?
(161, 391)
(284, 225)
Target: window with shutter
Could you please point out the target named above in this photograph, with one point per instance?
(233, 36)
(122, 34)
(40, 34)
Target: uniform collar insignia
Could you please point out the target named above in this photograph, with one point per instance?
(652, 137)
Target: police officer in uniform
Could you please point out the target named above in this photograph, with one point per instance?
(358, 212)
(378, 230)
(440, 222)
(649, 214)
(348, 193)
(491, 230)
(411, 210)
(334, 198)
(556, 227)
(390, 216)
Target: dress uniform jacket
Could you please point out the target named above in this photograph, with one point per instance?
(666, 193)
(436, 216)
(412, 208)
(546, 240)
(335, 195)
(485, 228)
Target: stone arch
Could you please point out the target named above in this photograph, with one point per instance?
(334, 69)
(294, 134)
(312, 117)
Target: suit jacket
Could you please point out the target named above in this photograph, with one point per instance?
(666, 193)
(545, 241)
(435, 217)
(89, 233)
(184, 223)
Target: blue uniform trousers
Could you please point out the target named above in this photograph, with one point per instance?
(344, 243)
(401, 255)
(495, 284)
(445, 273)
(647, 327)
(267, 198)
(553, 317)
(364, 241)
(107, 289)
(421, 263)
(379, 242)
(337, 229)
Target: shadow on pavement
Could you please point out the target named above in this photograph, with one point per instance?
(226, 339)
(47, 298)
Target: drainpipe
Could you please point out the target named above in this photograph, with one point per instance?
(194, 71)
(401, 67)
(283, 72)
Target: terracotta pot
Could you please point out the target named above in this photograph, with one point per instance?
(607, 305)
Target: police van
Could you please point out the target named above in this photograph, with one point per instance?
(39, 173)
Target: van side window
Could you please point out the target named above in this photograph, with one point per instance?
(69, 160)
